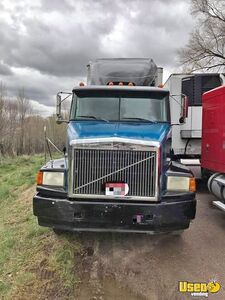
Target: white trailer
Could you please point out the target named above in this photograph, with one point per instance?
(186, 137)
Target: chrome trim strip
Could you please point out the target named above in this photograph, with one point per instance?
(70, 174)
(114, 139)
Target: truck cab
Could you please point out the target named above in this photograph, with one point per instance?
(118, 173)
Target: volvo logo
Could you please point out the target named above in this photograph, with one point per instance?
(123, 146)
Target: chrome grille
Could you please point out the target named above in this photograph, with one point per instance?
(94, 167)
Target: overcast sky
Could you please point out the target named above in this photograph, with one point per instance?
(45, 44)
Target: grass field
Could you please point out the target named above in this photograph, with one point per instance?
(34, 262)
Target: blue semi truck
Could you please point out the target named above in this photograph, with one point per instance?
(118, 173)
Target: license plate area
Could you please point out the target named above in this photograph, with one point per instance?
(116, 189)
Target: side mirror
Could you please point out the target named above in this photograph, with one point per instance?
(58, 108)
(184, 108)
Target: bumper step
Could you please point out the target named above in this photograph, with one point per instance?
(219, 204)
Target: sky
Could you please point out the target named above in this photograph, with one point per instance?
(45, 45)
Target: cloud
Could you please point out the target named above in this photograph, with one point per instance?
(41, 109)
(40, 87)
(5, 69)
(57, 5)
(46, 45)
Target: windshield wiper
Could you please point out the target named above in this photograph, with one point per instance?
(139, 119)
(88, 117)
(92, 117)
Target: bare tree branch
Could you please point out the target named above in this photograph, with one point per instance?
(206, 47)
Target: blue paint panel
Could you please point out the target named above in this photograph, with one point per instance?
(133, 130)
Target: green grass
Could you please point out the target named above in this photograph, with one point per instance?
(16, 172)
(33, 260)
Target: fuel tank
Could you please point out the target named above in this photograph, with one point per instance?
(216, 186)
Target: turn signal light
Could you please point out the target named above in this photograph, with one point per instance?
(39, 178)
(192, 184)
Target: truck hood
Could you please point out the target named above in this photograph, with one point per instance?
(99, 129)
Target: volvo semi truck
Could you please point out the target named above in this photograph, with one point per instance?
(118, 173)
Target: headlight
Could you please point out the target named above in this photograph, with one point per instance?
(50, 178)
(183, 184)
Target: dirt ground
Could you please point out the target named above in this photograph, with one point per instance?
(138, 266)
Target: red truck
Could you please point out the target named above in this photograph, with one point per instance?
(213, 142)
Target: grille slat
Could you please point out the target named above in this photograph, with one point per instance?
(138, 171)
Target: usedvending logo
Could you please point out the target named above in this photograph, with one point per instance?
(198, 289)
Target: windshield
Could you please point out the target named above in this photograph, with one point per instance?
(152, 107)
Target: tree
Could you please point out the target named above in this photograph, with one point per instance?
(2, 116)
(206, 47)
(24, 109)
(21, 131)
(11, 127)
